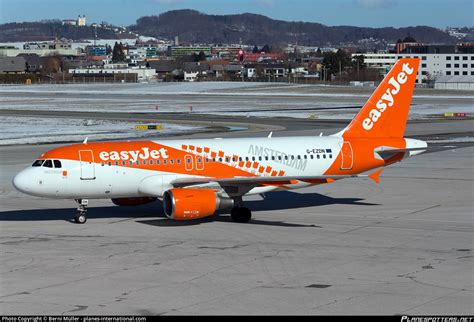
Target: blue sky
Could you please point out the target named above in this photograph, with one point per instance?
(368, 13)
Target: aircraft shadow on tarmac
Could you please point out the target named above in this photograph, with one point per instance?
(273, 201)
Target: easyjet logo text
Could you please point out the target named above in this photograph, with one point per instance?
(143, 154)
(388, 98)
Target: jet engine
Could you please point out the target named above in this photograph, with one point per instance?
(191, 203)
(134, 201)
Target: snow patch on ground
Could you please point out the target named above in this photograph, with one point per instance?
(28, 130)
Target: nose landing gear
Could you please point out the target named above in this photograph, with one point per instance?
(80, 217)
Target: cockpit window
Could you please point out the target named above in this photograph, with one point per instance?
(57, 164)
(48, 164)
(37, 163)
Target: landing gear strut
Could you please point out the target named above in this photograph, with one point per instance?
(241, 214)
(80, 217)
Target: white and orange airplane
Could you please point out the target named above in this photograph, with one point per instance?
(194, 178)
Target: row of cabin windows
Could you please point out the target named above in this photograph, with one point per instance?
(207, 160)
(47, 164)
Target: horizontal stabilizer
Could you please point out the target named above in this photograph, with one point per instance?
(386, 153)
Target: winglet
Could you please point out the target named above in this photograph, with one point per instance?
(375, 175)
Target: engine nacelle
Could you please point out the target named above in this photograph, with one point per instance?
(191, 203)
(134, 201)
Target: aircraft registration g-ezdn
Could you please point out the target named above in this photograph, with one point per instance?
(194, 178)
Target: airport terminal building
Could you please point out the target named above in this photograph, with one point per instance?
(436, 60)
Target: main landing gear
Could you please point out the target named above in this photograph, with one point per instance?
(241, 214)
(80, 217)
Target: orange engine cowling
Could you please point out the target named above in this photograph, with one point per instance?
(191, 203)
(134, 201)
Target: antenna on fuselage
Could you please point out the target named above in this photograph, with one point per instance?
(85, 140)
(270, 135)
(321, 134)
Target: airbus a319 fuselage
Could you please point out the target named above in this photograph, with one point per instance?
(194, 178)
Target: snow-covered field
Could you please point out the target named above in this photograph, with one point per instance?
(234, 98)
(28, 130)
(249, 99)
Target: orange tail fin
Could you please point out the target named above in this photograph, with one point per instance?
(386, 112)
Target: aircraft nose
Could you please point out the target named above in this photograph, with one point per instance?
(22, 181)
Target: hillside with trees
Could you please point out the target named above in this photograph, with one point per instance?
(196, 27)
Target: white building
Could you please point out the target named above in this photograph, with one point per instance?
(250, 72)
(190, 76)
(142, 72)
(41, 49)
(81, 21)
(465, 83)
(433, 65)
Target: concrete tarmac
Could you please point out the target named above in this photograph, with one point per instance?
(404, 246)
(350, 247)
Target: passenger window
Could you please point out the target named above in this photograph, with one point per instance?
(116, 163)
(273, 158)
(110, 163)
(123, 162)
(324, 156)
(48, 164)
(157, 162)
(312, 156)
(266, 158)
(137, 163)
(164, 161)
(253, 158)
(144, 162)
(102, 163)
(131, 162)
(259, 158)
(171, 161)
(37, 163)
(57, 164)
(318, 156)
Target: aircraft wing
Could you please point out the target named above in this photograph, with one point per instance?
(257, 181)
